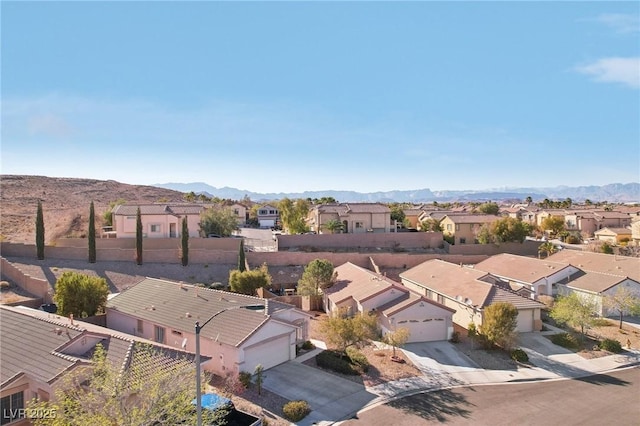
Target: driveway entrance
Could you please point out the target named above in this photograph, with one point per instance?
(331, 398)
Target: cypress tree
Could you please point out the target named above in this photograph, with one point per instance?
(138, 237)
(185, 242)
(40, 232)
(92, 234)
(242, 264)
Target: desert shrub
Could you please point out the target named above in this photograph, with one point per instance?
(519, 355)
(358, 359)
(601, 322)
(455, 337)
(307, 345)
(611, 345)
(4, 285)
(296, 410)
(566, 340)
(333, 360)
(572, 239)
(245, 378)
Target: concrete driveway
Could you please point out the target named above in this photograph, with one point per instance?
(438, 356)
(331, 398)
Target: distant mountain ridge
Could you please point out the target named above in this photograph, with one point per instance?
(615, 192)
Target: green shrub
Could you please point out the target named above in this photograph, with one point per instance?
(602, 322)
(332, 360)
(307, 345)
(4, 285)
(296, 410)
(245, 378)
(611, 345)
(519, 355)
(566, 340)
(358, 359)
(455, 337)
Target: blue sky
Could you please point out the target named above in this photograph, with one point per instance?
(291, 96)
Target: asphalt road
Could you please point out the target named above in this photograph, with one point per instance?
(613, 398)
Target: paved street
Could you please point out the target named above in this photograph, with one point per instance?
(600, 399)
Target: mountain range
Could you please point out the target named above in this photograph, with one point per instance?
(615, 192)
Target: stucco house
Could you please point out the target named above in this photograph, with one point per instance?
(356, 218)
(613, 235)
(238, 339)
(38, 350)
(158, 220)
(359, 290)
(599, 262)
(268, 216)
(597, 286)
(240, 212)
(469, 291)
(464, 228)
(536, 276)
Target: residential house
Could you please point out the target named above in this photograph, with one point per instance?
(39, 349)
(158, 220)
(463, 229)
(244, 331)
(613, 235)
(546, 213)
(469, 292)
(524, 214)
(356, 218)
(268, 216)
(359, 290)
(240, 212)
(597, 286)
(599, 262)
(527, 276)
(635, 231)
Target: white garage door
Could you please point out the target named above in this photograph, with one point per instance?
(525, 321)
(429, 330)
(267, 354)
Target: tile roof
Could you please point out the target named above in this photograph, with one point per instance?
(346, 208)
(599, 262)
(473, 218)
(178, 306)
(612, 215)
(499, 294)
(28, 344)
(619, 231)
(358, 283)
(158, 209)
(407, 300)
(450, 279)
(520, 268)
(593, 281)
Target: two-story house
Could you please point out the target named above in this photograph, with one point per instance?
(463, 229)
(268, 216)
(356, 218)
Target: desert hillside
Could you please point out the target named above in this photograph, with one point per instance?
(65, 204)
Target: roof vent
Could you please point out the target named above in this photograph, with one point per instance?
(188, 315)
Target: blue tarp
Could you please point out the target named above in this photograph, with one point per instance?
(213, 401)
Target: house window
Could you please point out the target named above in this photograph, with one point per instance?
(159, 334)
(449, 227)
(176, 332)
(457, 227)
(359, 225)
(463, 240)
(11, 407)
(236, 212)
(272, 212)
(140, 326)
(262, 212)
(154, 228)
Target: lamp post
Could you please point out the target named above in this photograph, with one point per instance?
(198, 379)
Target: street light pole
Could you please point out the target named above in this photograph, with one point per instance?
(198, 379)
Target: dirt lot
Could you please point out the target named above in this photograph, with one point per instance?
(606, 329)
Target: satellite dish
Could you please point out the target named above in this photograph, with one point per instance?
(184, 343)
(459, 298)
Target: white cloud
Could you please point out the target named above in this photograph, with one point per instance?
(614, 70)
(621, 23)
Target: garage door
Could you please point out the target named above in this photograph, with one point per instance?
(426, 330)
(268, 354)
(525, 321)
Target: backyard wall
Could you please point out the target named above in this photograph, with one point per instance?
(35, 286)
(393, 240)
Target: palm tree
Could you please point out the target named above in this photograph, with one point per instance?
(333, 226)
(547, 248)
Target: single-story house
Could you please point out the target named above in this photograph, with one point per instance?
(597, 286)
(158, 220)
(599, 262)
(613, 235)
(359, 290)
(356, 218)
(469, 291)
(243, 331)
(538, 276)
(38, 349)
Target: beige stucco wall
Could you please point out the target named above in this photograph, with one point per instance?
(125, 226)
(398, 241)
